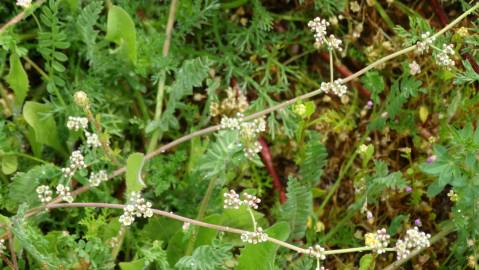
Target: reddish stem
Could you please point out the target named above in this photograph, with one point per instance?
(345, 72)
(441, 14)
(268, 163)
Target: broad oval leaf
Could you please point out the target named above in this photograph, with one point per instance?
(43, 124)
(134, 165)
(9, 164)
(121, 31)
(17, 79)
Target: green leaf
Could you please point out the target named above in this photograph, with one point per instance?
(207, 257)
(373, 81)
(121, 30)
(366, 262)
(133, 265)
(134, 165)
(262, 256)
(17, 79)
(9, 164)
(315, 158)
(39, 117)
(297, 208)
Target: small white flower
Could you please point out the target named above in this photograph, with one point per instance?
(317, 251)
(251, 200)
(337, 87)
(77, 161)
(92, 140)
(354, 6)
(232, 200)
(378, 241)
(64, 193)
(413, 239)
(24, 3)
(443, 59)
(319, 26)
(334, 43)
(256, 237)
(44, 193)
(136, 207)
(414, 68)
(2, 246)
(423, 46)
(96, 178)
(77, 123)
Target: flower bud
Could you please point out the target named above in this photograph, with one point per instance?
(81, 99)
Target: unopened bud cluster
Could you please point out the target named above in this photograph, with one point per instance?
(378, 241)
(234, 102)
(248, 132)
(317, 251)
(337, 87)
(413, 239)
(136, 207)
(256, 237)
(232, 200)
(77, 161)
(318, 27)
(77, 123)
(97, 178)
(443, 57)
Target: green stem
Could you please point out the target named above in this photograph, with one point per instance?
(27, 157)
(201, 215)
(384, 15)
(252, 219)
(331, 67)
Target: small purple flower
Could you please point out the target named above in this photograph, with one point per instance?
(369, 105)
(369, 215)
(408, 189)
(418, 222)
(431, 159)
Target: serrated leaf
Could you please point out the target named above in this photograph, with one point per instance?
(297, 208)
(206, 257)
(121, 31)
(9, 164)
(134, 165)
(315, 158)
(373, 81)
(262, 256)
(39, 118)
(17, 79)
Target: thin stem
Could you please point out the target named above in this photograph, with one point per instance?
(8, 262)
(27, 156)
(36, 67)
(331, 66)
(20, 16)
(12, 251)
(121, 237)
(98, 132)
(206, 225)
(252, 219)
(161, 84)
(201, 214)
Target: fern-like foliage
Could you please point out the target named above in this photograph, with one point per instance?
(329, 7)
(51, 40)
(315, 158)
(85, 23)
(208, 257)
(297, 208)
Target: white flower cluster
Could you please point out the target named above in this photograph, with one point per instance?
(249, 132)
(414, 68)
(319, 26)
(24, 3)
(337, 87)
(92, 140)
(423, 45)
(77, 123)
(136, 207)
(414, 239)
(2, 246)
(317, 251)
(443, 59)
(77, 161)
(232, 200)
(98, 177)
(64, 192)
(44, 193)
(378, 241)
(256, 237)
